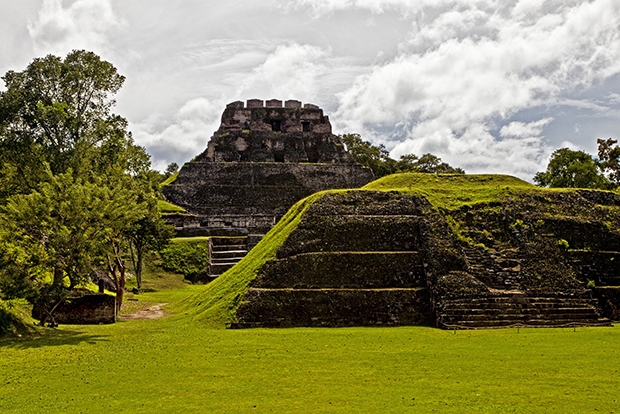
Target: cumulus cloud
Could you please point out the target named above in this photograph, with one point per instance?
(82, 25)
(292, 71)
(468, 67)
(181, 138)
(524, 129)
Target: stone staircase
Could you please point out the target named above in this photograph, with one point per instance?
(498, 269)
(517, 309)
(225, 252)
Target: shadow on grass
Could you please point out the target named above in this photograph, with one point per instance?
(51, 337)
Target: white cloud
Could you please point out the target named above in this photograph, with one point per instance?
(523, 129)
(291, 72)
(82, 25)
(469, 67)
(181, 138)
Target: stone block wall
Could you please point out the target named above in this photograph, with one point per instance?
(258, 194)
(84, 310)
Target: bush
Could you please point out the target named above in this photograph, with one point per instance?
(187, 258)
(8, 321)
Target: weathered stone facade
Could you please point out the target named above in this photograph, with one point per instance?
(371, 258)
(262, 159)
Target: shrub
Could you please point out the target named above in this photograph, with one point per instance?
(186, 257)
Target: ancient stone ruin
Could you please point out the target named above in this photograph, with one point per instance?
(365, 258)
(262, 159)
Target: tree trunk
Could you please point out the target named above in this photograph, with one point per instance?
(58, 276)
(139, 268)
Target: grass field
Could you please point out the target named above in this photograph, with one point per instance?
(177, 364)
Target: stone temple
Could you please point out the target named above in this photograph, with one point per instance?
(264, 157)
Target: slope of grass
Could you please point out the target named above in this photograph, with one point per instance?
(169, 208)
(169, 180)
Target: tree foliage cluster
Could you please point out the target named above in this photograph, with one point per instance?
(377, 158)
(76, 193)
(577, 169)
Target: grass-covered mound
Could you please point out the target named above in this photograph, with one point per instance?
(454, 190)
(451, 195)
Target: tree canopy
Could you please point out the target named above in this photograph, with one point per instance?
(573, 169)
(377, 158)
(56, 114)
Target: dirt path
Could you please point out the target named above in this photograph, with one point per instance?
(153, 312)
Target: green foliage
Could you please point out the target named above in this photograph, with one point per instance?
(75, 191)
(188, 258)
(171, 169)
(377, 158)
(427, 163)
(609, 159)
(61, 231)
(8, 320)
(572, 169)
(563, 244)
(56, 116)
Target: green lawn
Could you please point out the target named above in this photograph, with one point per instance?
(177, 364)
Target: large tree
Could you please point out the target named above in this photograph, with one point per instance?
(73, 185)
(427, 163)
(572, 169)
(56, 235)
(609, 159)
(56, 115)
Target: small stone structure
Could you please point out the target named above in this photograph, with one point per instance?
(264, 157)
(83, 310)
(365, 258)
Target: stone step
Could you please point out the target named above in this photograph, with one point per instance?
(530, 322)
(227, 247)
(226, 260)
(528, 310)
(517, 305)
(228, 253)
(520, 317)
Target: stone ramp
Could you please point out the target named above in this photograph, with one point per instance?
(518, 310)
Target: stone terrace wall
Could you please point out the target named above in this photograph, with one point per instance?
(356, 258)
(367, 258)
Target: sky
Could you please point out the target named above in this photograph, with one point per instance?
(491, 86)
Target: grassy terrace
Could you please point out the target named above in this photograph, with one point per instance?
(186, 362)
